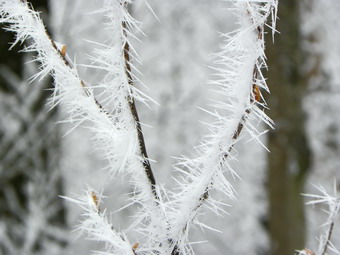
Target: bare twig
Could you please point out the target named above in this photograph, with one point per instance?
(134, 113)
(333, 202)
(329, 235)
(332, 218)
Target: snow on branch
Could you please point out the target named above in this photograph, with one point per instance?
(117, 54)
(113, 122)
(111, 115)
(333, 204)
(113, 118)
(74, 94)
(238, 67)
(97, 227)
(120, 70)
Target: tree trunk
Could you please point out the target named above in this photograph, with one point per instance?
(289, 159)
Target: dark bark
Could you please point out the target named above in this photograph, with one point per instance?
(290, 156)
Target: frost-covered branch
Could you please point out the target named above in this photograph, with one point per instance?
(74, 93)
(132, 106)
(333, 204)
(96, 225)
(110, 114)
(108, 109)
(239, 67)
(115, 58)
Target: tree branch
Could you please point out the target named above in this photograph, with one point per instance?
(134, 113)
(131, 102)
(255, 96)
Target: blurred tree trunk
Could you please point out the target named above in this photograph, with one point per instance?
(32, 217)
(289, 160)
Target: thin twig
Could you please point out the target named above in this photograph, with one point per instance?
(206, 195)
(96, 202)
(331, 227)
(134, 113)
(244, 117)
(329, 235)
(131, 101)
(68, 64)
(236, 135)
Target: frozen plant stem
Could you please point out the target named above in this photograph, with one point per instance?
(165, 225)
(241, 60)
(334, 213)
(205, 195)
(69, 65)
(329, 235)
(133, 109)
(113, 124)
(333, 203)
(236, 135)
(131, 101)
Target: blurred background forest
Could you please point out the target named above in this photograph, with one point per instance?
(38, 161)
